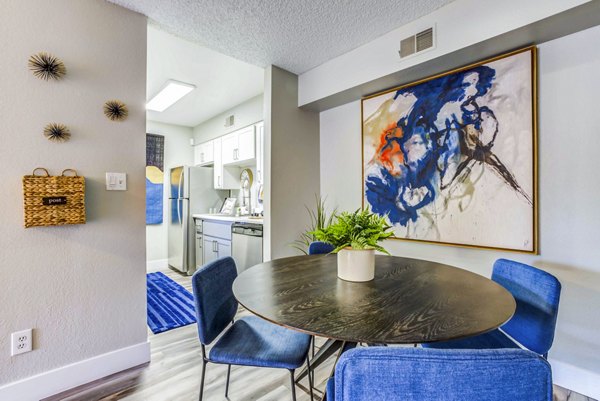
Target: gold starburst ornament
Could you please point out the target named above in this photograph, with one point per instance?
(115, 110)
(46, 66)
(57, 132)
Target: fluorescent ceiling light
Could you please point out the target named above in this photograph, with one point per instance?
(169, 95)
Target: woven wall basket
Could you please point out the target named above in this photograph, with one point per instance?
(53, 200)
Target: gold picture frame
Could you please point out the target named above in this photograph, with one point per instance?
(520, 66)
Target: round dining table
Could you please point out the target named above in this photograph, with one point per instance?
(410, 301)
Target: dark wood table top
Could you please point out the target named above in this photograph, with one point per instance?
(410, 300)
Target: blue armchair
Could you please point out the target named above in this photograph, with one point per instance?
(537, 294)
(420, 374)
(318, 247)
(249, 341)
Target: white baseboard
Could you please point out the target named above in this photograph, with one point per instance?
(156, 265)
(67, 377)
(576, 379)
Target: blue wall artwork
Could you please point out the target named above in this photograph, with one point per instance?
(451, 159)
(155, 154)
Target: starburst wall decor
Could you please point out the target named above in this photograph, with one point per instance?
(57, 132)
(46, 66)
(115, 110)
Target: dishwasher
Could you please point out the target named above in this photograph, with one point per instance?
(246, 244)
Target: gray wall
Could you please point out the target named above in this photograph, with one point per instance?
(568, 198)
(82, 288)
(291, 162)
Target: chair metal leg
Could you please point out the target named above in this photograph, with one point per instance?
(314, 340)
(227, 383)
(311, 378)
(293, 383)
(202, 379)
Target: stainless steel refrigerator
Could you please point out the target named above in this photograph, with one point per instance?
(191, 192)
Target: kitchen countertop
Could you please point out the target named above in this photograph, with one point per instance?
(233, 219)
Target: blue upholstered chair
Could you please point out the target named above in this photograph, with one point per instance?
(249, 341)
(318, 247)
(537, 294)
(420, 374)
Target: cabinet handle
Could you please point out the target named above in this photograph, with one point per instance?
(215, 246)
(219, 181)
(202, 157)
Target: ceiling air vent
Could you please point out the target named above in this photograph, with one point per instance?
(416, 43)
(407, 47)
(229, 120)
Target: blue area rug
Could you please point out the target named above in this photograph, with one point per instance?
(169, 304)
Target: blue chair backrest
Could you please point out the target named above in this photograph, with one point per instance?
(537, 294)
(213, 294)
(417, 374)
(318, 247)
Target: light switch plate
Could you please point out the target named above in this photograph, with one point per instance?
(116, 181)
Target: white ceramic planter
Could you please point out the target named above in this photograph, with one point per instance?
(356, 265)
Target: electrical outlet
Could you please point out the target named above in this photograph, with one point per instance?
(21, 342)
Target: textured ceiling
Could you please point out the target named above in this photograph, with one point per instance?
(296, 35)
(221, 81)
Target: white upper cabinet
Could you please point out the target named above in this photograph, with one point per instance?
(246, 144)
(224, 177)
(204, 153)
(260, 127)
(218, 169)
(229, 147)
(238, 148)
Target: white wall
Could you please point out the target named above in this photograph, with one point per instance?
(81, 288)
(568, 194)
(178, 151)
(246, 113)
(459, 24)
(291, 162)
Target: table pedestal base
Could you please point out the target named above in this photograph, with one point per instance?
(327, 350)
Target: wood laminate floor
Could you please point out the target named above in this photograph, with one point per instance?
(174, 374)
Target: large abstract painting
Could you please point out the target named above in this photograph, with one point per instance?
(155, 155)
(451, 159)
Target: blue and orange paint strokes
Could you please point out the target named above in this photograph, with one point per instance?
(154, 195)
(429, 147)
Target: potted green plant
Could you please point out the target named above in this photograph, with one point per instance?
(319, 219)
(356, 236)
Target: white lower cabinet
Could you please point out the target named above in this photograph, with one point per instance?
(215, 248)
(216, 240)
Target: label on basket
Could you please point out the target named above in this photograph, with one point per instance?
(54, 200)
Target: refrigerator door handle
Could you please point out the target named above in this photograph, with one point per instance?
(180, 184)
